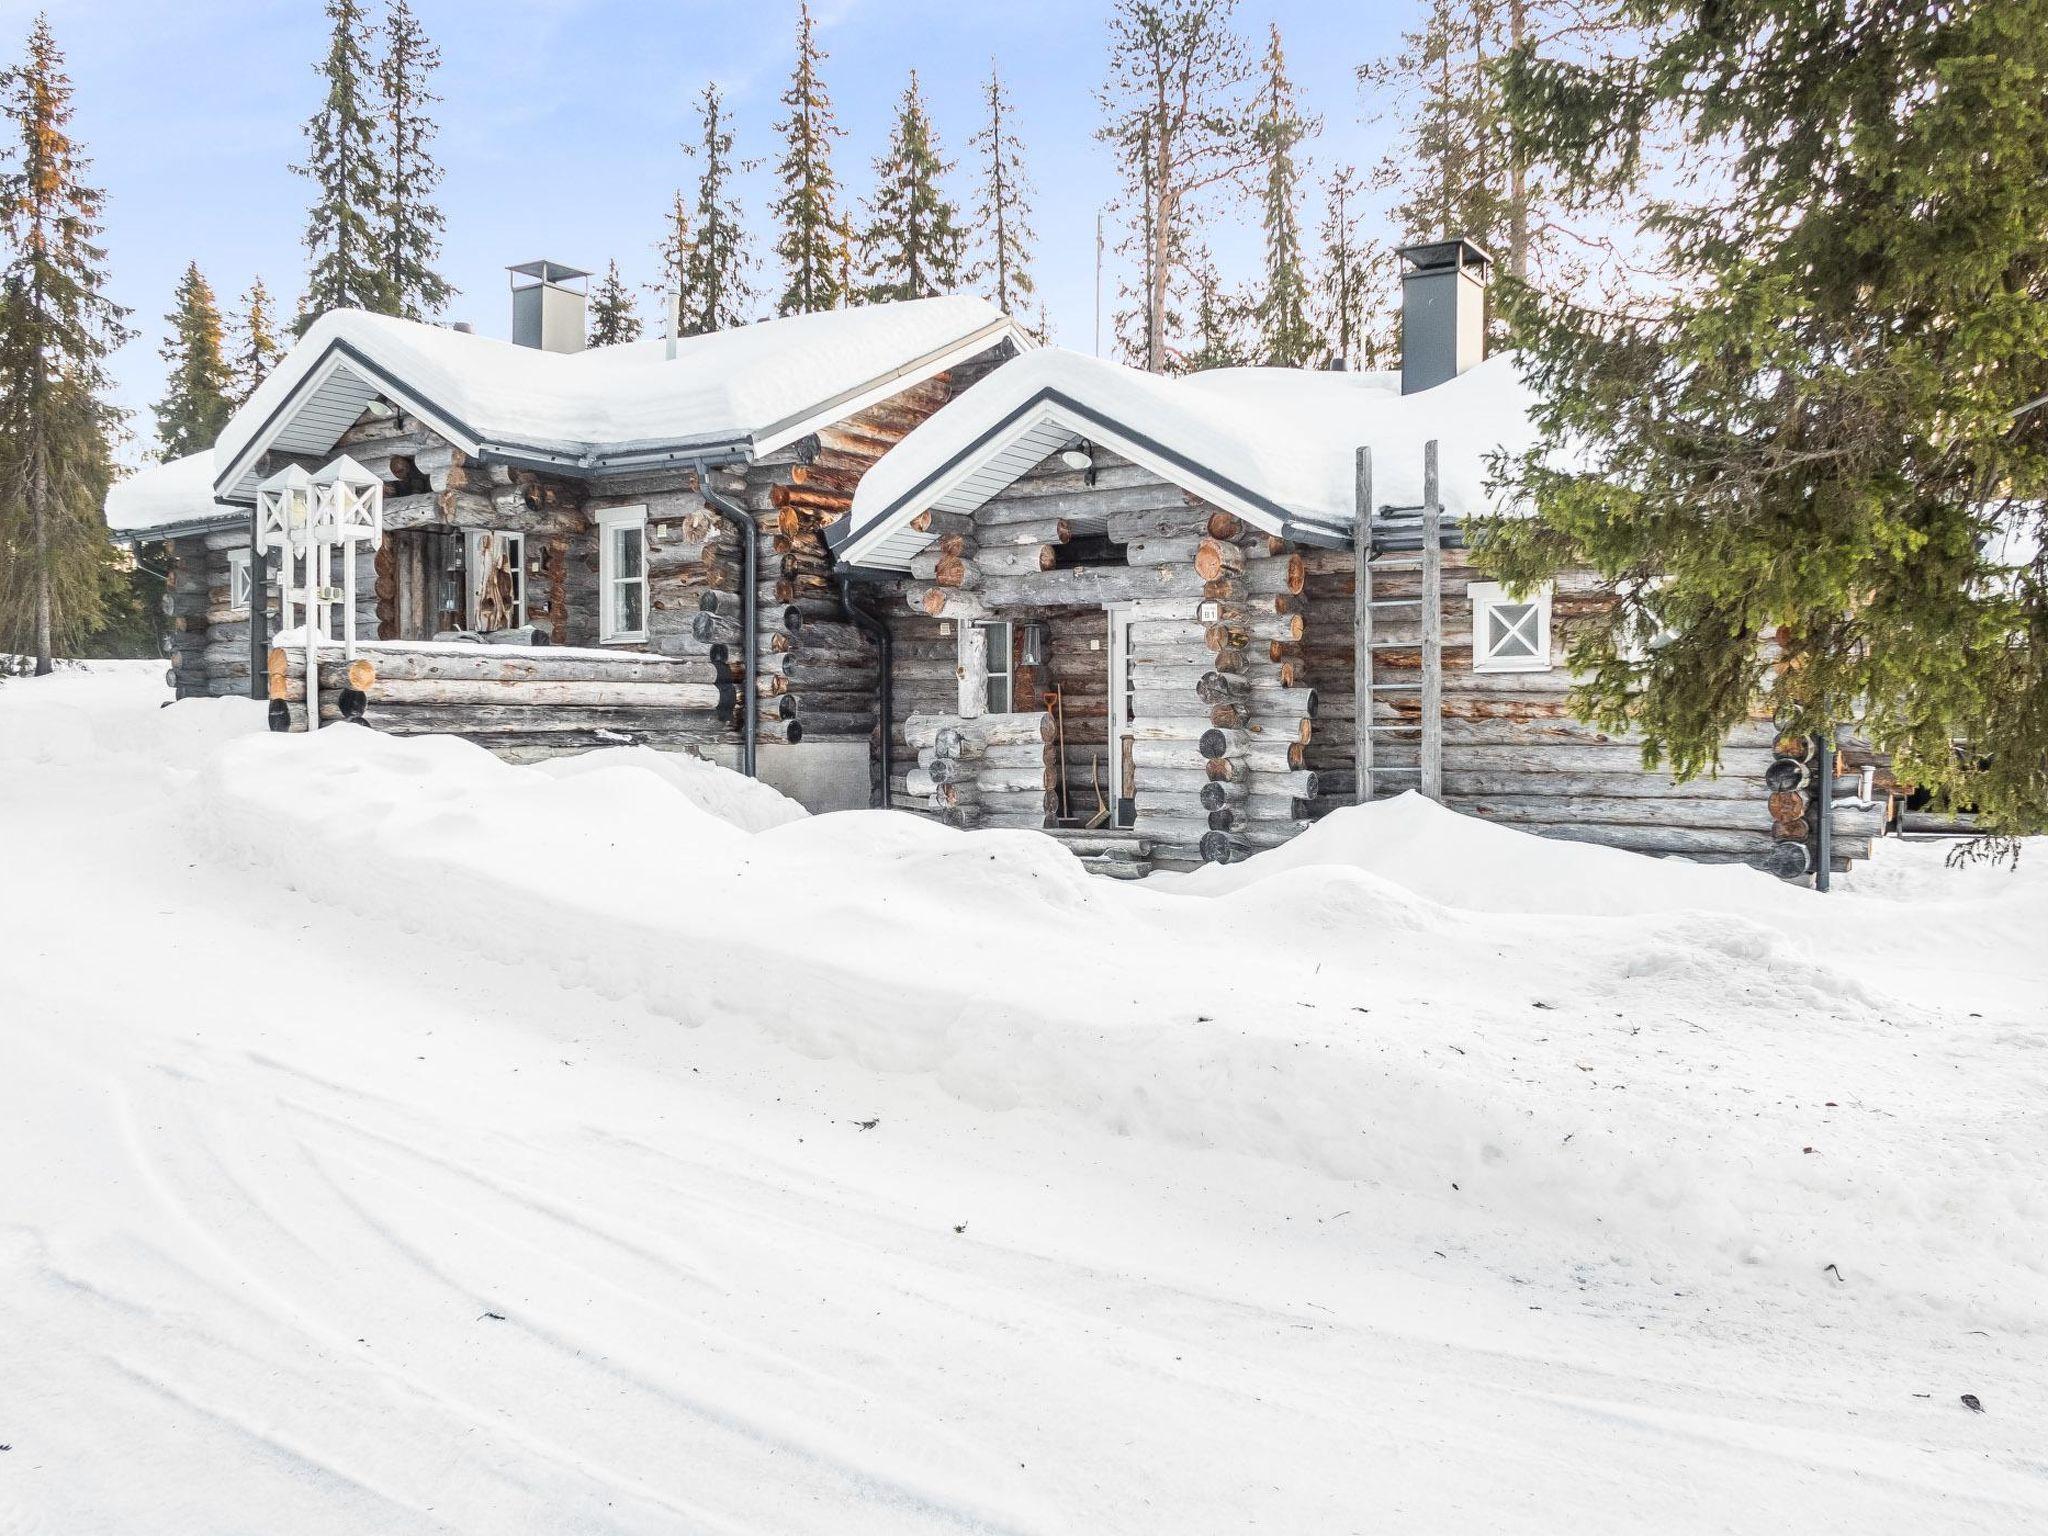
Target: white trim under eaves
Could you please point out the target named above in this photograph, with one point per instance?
(308, 389)
(874, 393)
(863, 546)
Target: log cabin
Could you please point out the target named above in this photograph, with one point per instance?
(1179, 619)
(898, 556)
(581, 546)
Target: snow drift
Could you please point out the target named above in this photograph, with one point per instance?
(1404, 996)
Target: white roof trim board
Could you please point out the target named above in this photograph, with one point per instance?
(1275, 446)
(740, 393)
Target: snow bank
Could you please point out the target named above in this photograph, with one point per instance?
(733, 798)
(1573, 1037)
(1482, 866)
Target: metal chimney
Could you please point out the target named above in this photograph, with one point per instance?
(1443, 311)
(547, 308)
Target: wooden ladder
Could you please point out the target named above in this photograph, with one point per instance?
(1398, 539)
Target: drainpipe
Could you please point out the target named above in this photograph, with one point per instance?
(750, 560)
(870, 624)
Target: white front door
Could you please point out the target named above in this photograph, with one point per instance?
(1121, 713)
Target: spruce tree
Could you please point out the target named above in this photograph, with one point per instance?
(1354, 283)
(1173, 109)
(344, 226)
(914, 244)
(1457, 167)
(613, 319)
(57, 330)
(674, 253)
(1828, 434)
(717, 292)
(807, 213)
(200, 395)
(1002, 212)
(1218, 339)
(257, 349)
(410, 240)
(1287, 335)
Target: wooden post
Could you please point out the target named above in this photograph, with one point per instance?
(973, 669)
(1432, 629)
(1361, 627)
(259, 614)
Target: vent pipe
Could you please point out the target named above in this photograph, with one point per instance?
(1443, 311)
(547, 306)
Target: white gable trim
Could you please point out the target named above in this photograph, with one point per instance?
(880, 544)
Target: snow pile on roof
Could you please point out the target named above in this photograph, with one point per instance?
(726, 386)
(400, 1132)
(1287, 434)
(165, 495)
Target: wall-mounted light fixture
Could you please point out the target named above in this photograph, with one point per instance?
(1080, 456)
(1032, 653)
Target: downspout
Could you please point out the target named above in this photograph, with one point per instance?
(869, 623)
(259, 618)
(750, 559)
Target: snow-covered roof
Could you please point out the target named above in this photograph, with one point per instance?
(751, 389)
(1275, 445)
(169, 496)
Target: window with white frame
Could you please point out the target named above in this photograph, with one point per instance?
(1002, 681)
(1509, 634)
(238, 580)
(622, 573)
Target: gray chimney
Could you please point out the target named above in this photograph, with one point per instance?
(1443, 311)
(547, 306)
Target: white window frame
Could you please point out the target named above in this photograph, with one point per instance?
(1489, 595)
(609, 521)
(473, 570)
(241, 590)
(1001, 638)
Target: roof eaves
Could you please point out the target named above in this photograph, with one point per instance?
(1179, 467)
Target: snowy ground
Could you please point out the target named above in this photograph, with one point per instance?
(399, 1141)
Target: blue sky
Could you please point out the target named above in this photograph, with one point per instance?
(562, 119)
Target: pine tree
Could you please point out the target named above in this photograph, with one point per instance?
(914, 244)
(411, 237)
(200, 395)
(613, 319)
(1173, 108)
(807, 212)
(717, 292)
(342, 229)
(257, 349)
(1829, 432)
(1354, 284)
(1003, 211)
(1287, 335)
(57, 330)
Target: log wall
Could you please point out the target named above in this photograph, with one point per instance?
(1514, 753)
